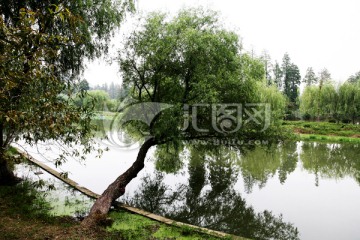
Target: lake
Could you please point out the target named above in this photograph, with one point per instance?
(313, 187)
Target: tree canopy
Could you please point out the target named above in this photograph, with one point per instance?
(88, 34)
(292, 78)
(189, 60)
(327, 102)
(43, 46)
(354, 78)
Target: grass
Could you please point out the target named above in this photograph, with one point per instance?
(133, 226)
(324, 131)
(323, 138)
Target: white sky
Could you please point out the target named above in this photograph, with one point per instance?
(316, 33)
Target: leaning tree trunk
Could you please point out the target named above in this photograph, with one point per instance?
(116, 189)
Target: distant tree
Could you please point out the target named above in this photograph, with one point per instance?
(328, 102)
(98, 99)
(114, 90)
(354, 78)
(309, 102)
(278, 75)
(320, 103)
(286, 63)
(324, 77)
(349, 97)
(291, 74)
(266, 59)
(310, 77)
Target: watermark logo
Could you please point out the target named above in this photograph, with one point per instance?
(228, 118)
(202, 118)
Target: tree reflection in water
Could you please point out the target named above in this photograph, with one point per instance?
(332, 161)
(328, 161)
(259, 165)
(209, 199)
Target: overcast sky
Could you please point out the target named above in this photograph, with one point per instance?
(315, 33)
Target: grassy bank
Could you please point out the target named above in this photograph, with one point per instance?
(324, 131)
(25, 213)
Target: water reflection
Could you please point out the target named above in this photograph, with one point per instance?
(334, 161)
(209, 199)
(314, 185)
(263, 163)
(63, 199)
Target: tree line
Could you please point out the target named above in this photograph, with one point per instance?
(321, 99)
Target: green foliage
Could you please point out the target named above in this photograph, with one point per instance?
(292, 78)
(98, 100)
(349, 99)
(43, 46)
(325, 102)
(331, 130)
(25, 200)
(277, 101)
(278, 74)
(191, 59)
(354, 78)
(114, 90)
(168, 158)
(32, 102)
(308, 101)
(336, 162)
(88, 33)
(320, 103)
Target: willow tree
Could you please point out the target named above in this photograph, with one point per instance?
(194, 66)
(43, 46)
(349, 98)
(317, 103)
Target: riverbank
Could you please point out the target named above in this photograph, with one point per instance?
(25, 214)
(324, 131)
